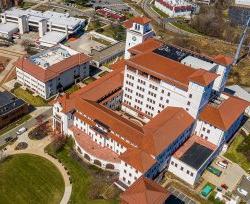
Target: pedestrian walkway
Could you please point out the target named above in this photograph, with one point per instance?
(37, 147)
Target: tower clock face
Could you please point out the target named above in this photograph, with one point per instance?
(134, 38)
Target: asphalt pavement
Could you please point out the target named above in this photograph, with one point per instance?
(46, 114)
(245, 185)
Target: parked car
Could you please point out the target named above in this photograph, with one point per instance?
(21, 130)
(221, 164)
(224, 186)
(242, 191)
(248, 178)
(225, 162)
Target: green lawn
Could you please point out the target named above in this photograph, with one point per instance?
(161, 13)
(186, 27)
(89, 80)
(72, 89)
(28, 97)
(27, 5)
(27, 178)
(238, 151)
(103, 73)
(83, 180)
(14, 124)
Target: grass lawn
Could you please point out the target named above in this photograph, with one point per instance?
(102, 41)
(103, 73)
(235, 154)
(186, 27)
(72, 89)
(83, 177)
(14, 124)
(27, 178)
(161, 13)
(26, 5)
(89, 80)
(29, 98)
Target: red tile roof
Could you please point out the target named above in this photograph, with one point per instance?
(140, 20)
(170, 70)
(194, 139)
(165, 128)
(225, 114)
(223, 60)
(144, 191)
(146, 46)
(137, 158)
(93, 148)
(53, 71)
(203, 77)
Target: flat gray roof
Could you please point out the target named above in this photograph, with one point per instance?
(53, 37)
(8, 27)
(101, 55)
(61, 19)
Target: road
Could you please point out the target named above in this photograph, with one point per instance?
(146, 6)
(46, 113)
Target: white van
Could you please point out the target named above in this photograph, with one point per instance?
(21, 131)
(221, 164)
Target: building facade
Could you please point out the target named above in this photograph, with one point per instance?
(52, 71)
(11, 108)
(158, 107)
(176, 8)
(53, 27)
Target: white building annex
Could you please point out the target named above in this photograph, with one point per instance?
(53, 27)
(155, 110)
(176, 8)
(52, 70)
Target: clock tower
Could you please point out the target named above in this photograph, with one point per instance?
(138, 30)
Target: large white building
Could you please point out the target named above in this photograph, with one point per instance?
(156, 110)
(176, 8)
(52, 70)
(53, 27)
(242, 2)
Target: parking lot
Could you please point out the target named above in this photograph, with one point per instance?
(230, 176)
(181, 197)
(245, 185)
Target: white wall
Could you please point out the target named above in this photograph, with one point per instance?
(136, 35)
(183, 171)
(209, 132)
(128, 175)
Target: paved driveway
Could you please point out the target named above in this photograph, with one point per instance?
(244, 184)
(230, 176)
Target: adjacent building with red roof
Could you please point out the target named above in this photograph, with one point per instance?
(52, 70)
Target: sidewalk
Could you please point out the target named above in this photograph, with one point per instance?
(37, 147)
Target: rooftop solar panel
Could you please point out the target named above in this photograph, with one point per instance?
(196, 155)
(177, 54)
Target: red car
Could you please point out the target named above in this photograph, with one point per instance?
(224, 186)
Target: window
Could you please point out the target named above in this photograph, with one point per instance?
(175, 165)
(188, 171)
(125, 171)
(162, 91)
(206, 138)
(129, 182)
(208, 131)
(203, 129)
(168, 93)
(188, 103)
(192, 174)
(130, 174)
(172, 163)
(124, 179)
(182, 168)
(190, 95)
